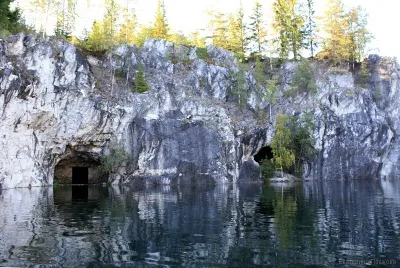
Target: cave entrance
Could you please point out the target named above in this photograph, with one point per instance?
(79, 168)
(264, 153)
(80, 175)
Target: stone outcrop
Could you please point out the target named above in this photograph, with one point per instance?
(356, 120)
(58, 106)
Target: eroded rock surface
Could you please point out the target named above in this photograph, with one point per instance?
(56, 103)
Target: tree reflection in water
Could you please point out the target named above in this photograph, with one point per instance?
(314, 224)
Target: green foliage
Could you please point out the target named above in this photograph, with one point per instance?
(267, 169)
(172, 57)
(288, 23)
(335, 45)
(239, 88)
(116, 158)
(97, 40)
(260, 72)
(196, 40)
(178, 38)
(218, 25)
(377, 94)
(128, 28)
(304, 80)
(363, 76)
(140, 82)
(258, 33)
(262, 116)
(143, 33)
(272, 90)
(309, 27)
(103, 35)
(357, 34)
(236, 31)
(110, 22)
(285, 209)
(160, 27)
(202, 53)
(119, 73)
(66, 15)
(302, 145)
(284, 157)
(9, 19)
(347, 34)
(293, 143)
(291, 92)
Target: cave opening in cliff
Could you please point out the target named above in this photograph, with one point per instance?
(79, 168)
(264, 153)
(80, 175)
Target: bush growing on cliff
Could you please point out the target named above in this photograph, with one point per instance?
(140, 82)
(293, 143)
(260, 71)
(284, 157)
(304, 80)
(303, 141)
(239, 88)
(267, 169)
(116, 158)
(202, 53)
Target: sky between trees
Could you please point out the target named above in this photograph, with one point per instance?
(188, 16)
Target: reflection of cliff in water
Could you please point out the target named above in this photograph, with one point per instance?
(309, 224)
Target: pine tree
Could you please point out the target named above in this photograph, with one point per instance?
(8, 19)
(160, 27)
(143, 33)
(236, 33)
(310, 26)
(218, 26)
(140, 81)
(178, 38)
(257, 30)
(232, 34)
(127, 29)
(66, 16)
(96, 39)
(110, 22)
(241, 29)
(335, 25)
(357, 34)
(288, 24)
(196, 40)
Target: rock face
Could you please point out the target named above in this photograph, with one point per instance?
(356, 121)
(60, 109)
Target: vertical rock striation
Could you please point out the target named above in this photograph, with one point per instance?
(58, 106)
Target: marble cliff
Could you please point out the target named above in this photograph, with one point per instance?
(60, 108)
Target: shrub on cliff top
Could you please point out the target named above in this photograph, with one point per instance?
(304, 80)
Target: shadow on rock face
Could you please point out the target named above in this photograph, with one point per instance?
(250, 172)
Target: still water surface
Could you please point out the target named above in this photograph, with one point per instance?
(330, 224)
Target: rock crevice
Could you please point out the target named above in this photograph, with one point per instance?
(188, 126)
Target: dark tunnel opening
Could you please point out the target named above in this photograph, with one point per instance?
(80, 175)
(79, 168)
(264, 153)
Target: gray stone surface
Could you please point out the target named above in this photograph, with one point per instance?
(55, 103)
